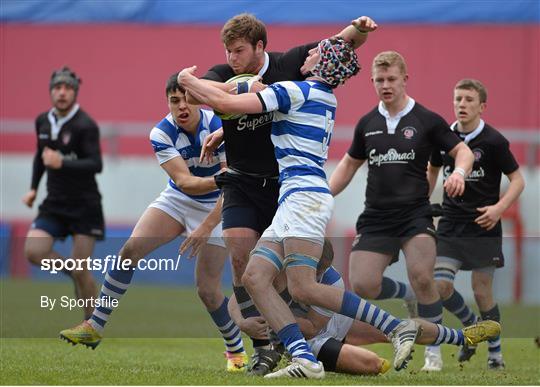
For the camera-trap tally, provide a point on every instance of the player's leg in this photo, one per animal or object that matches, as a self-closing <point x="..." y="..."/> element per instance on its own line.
<point x="349" y="359"/>
<point x="208" y="271"/>
<point x="264" y="266"/>
<point x="366" y="270"/>
<point x="301" y="265"/>
<point x="83" y="247"/>
<point x="482" y="284"/>
<point x="154" y="228"/>
<point x="420" y="252"/>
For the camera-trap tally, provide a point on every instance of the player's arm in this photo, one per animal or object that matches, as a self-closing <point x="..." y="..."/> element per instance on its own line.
<point x="463" y="161"/>
<point x="225" y="87"/>
<point x="357" y="32"/>
<point x="492" y="214"/>
<point x="255" y="327"/>
<point x="178" y="171"/>
<point x="343" y="174"/>
<point x="432" y="176"/>
<point x="38" y="169"/>
<point x="199" y="237"/>
<point x="89" y="159"/>
<point x="312" y="324"/>
<point x="216" y="98"/>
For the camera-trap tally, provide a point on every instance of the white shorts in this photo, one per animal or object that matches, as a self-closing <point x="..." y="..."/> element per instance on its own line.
<point x="303" y="215"/>
<point x="188" y="212"/>
<point x="336" y="328"/>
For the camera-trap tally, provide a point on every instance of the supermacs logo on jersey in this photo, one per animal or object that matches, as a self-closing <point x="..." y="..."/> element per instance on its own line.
<point x="252" y="122"/>
<point x="408" y="132"/>
<point x="392" y="156"/>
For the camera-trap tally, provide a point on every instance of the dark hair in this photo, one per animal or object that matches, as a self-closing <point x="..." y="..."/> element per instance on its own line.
<point x="244" y="26"/>
<point x="65" y="76"/>
<point x="172" y="85"/>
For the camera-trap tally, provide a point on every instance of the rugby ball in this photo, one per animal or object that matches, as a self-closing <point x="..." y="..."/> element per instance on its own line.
<point x="233" y="81"/>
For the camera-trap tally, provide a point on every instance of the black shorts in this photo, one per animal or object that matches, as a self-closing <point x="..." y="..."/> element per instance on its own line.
<point x="249" y="202"/>
<point x="61" y="219"/>
<point x="385" y="231"/>
<point x="329" y="354"/>
<point x="472" y="245"/>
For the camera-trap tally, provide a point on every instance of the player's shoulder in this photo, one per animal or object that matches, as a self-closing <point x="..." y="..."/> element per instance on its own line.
<point x="493" y="136"/>
<point x="426" y="115"/>
<point x="364" y="121"/>
<point x="220" y="73"/>
<point x="42" y="117"/>
<point x="165" y="125"/>
<point x="210" y="120"/>
<point x="85" y="120"/>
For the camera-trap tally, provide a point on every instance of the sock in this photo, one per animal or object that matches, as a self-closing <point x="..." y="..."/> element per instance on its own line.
<point x="446" y="336"/>
<point x="455" y="304"/>
<point x="431" y="313"/>
<point x="248" y="309"/>
<point x="114" y="286"/>
<point x="394" y="289"/>
<point x="355" y="307"/>
<point x="229" y="330"/>
<point x="494" y="345"/>
<point x="295" y="342"/>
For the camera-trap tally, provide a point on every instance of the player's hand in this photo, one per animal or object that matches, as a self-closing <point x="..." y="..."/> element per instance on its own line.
<point x="51" y="159"/>
<point x="257" y="86"/>
<point x="490" y="216"/>
<point x="454" y="185"/>
<point x="29" y="198"/>
<point x="185" y="74"/>
<point x="210" y="144"/>
<point x="365" y="24"/>
<point x="196" y="241"/>
<point x="255" y="327"/>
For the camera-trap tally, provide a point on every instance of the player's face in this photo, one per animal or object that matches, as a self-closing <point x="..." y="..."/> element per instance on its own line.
<point x="311" y="60"/>
<point x="390" y="84"/>
<point x="467" y="105"/>
<point x="63" y="97"/>
<point x="243" y="57"/>
<point x="185" y="114"/>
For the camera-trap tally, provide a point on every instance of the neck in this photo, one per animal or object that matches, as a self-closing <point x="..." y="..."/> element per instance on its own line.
<point x="260" y="63"/>
<point x="397" y="106"/>
<point x="468" y="127"/>
<point x="63" y="113"/>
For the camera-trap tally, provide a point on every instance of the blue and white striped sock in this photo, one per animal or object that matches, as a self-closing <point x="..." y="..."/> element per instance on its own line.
<point x="494" y="345"/>
<point x="229" y="330"/>
<point x="448" y="336"/>
<point x="432" y="313"/>
<point x="295" y="342"/>
<point x="355" y="307"/>
<point x="114" y="286"/>
<point x="391" y="288"/>
<point x="455" y="304"/>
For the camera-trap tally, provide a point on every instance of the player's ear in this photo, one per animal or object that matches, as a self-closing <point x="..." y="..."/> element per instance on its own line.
<point x="259" y="47"/>
<point x="483" y="106"/>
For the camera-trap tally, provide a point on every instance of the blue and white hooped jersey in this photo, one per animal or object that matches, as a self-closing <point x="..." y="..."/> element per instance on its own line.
<point x="170" y="140"/>
<point x="304" y="115"/>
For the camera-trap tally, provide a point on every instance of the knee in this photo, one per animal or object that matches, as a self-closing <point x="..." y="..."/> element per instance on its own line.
<point x="365" y="288"/>
<point x="239" y="263"/>
<point x="301" y="292"/>
<point x="208" y="296"/>
<point x="33" y="255"/>
<point x="482" y="293"/>
<point x="130" y="251"/>
<point x="253" y="280"/>
<point x="422" y="282"/>
<point x="445" y="289"/>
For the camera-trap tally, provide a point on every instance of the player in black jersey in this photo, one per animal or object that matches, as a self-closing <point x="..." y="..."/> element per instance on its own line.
<point x="397" y="138"/>
<point x="68" y="150"/>
<point x="469" y="233"/>
<point x="250" y="187"/>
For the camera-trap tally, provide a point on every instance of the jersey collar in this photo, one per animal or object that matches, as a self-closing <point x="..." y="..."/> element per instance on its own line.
<point x="265" y="65"/>
<point x="472" y="135"/>
<point x="392" y="122"/>
<point x="56" y="125"/>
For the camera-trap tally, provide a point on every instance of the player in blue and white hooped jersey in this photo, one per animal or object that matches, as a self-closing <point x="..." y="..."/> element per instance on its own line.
<point x="301" y="153"/>
<point x="190" y="204"/>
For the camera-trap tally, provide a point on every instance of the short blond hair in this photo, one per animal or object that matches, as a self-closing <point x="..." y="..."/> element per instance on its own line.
<point x="244" y="26"/>
<point x="473" y="84"/>
<point x="389" y="58"/>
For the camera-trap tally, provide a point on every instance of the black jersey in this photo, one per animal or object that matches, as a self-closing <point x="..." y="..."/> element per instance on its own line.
<point x="78" y="142"/>
<point x="492" y="157"/>
<point x="247" y="139"/>
<point x="397" y="162"/>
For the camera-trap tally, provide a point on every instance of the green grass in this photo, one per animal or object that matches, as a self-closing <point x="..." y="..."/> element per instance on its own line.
<point x="177" y="345"/>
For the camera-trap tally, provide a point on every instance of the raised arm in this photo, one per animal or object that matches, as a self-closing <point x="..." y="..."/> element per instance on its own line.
<point x="357" y="32"/>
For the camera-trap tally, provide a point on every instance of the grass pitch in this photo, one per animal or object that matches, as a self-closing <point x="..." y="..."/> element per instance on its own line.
<point x="163" y="336"/>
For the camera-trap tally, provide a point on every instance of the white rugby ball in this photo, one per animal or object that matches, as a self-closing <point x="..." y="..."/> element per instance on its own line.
<point x="233" y="81"/>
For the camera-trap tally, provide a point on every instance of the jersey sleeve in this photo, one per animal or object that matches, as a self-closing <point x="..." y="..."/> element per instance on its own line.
<point x="214" y="74"/>
<point x="281" y="96"/>
<point x="90" y="158"/>
<point x="441" y="135"/>
<point x="38" y="168"/>
<point x="504" y="158"/>
<point x="163" y="145"/>
<point x="215" y="124"/>
<point x="357" y="150"/>
<point x="291" y="61"/>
